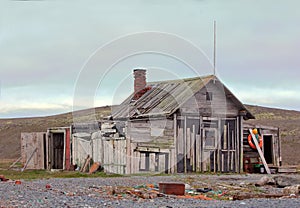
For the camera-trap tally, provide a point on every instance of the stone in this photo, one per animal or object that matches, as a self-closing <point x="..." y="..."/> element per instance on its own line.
<point x="265" y="180"/>
<point x="284" y="181"/>
<point x="292" y="189"/>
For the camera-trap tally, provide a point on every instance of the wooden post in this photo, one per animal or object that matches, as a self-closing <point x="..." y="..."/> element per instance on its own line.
<point x="219" y="135"/>
<point x="241" y="146"/>
<point x="260" y="152"/>
<point x="172" y="157"/>
<point x="184" y="144"/>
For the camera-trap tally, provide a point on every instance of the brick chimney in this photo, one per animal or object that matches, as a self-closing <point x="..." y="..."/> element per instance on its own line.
<point x="139" y="83"/>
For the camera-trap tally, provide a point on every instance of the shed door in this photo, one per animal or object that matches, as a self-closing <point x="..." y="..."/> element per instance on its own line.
<point x="268" y="148"/>
<point x="57" y="150"/>
<point x="32" y="150"/>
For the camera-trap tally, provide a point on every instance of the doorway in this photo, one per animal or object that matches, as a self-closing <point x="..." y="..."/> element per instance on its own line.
<point x="268" y="148"/>
<point x="57" y="151"/>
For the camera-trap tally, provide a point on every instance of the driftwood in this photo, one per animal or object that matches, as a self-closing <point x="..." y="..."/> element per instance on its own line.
<point x="15" y="163"/>
<point x="87" y="161"/>
<point x="250" y="196"/>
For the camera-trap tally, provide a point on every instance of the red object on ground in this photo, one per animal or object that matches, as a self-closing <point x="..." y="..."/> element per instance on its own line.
<point x="18" y="182"/>
<point x="2" y="178"/>
<point x="172" y="188"/>
<point x="48" y="186"/>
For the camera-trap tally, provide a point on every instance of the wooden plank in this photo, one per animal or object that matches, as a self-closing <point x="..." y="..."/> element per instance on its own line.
<point x="86" y="163"/>
<point x="162" y="163"/>
<point x="228" y="145"/>
<point x="219" y="135"/>
<point x="241" y="153"/>
<point x="260" y="152"/>
<point x="198" y="153"/>
<point x="173" y="153"/>
<point x="225" y="137"/>
<point x="188" y="143"/>
<point x="180" y="141"/>
<point x="237" y="145"/>
<point x="136" y="161"/>
<point x="152" y="162"/>
<point x="15" y="163"/>
<point x="222" y="162"/>
<point x="184" y="145"/>
<point x="193" y="145"/>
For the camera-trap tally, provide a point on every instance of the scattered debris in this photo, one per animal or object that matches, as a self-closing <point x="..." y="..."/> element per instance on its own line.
<point x="18" y="182"/>
<point x="200" y="196"/>
<point x="203" y="190"/>
<point x="251" y="196"/>
<point x="279" y="181"/>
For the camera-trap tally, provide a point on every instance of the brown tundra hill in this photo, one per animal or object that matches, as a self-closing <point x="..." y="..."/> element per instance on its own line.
<point x="10" y="129"/>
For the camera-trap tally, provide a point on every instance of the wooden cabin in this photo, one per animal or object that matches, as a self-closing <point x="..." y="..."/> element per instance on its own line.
<point x="181" y="126"/>
<point x="176" y="126"/>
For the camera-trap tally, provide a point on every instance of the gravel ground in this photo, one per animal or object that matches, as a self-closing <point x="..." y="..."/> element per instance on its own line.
<point x="103" y="192"/>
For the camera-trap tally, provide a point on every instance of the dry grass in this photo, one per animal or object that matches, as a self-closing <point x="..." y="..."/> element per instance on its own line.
<point x="43" y="174"/>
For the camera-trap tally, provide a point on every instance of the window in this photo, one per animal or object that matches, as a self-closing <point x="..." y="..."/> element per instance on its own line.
<point x="209" y="138"/>
<point x="209" y="96"/>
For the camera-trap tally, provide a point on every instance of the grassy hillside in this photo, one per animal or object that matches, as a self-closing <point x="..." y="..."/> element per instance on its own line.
<point x="10" y="129"/>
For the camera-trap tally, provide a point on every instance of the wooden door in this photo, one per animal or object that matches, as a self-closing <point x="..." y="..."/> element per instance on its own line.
<point x="209" y="159"/>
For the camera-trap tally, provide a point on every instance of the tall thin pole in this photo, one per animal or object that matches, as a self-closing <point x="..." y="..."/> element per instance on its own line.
<point x="215" y="42"/>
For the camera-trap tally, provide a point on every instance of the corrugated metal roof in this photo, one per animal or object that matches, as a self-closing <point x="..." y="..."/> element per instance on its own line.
<point x="164" y="98"/>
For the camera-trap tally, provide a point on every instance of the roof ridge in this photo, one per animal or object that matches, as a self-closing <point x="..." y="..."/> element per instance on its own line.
<point x="183" y="80"/>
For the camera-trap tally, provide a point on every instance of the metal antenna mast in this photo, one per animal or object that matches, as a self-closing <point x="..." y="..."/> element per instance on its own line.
<point x="215" y="31"/>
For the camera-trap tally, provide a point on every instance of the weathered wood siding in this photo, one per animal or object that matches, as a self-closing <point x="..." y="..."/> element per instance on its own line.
<point x="220" y="104"/>
<point x="33" y="143"/>
<point x="207" y="144"/>
<point x="110" y="152"/>
<point x="82" y="147"/>
<point x="150" y="145"/>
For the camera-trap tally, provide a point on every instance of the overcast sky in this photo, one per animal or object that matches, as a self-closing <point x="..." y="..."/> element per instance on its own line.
<point x="49" y="49"/>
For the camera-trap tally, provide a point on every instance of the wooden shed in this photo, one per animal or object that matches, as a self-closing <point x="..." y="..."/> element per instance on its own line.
<point x="186" y="125"/>
<point x="47" y="150"/>
<point x="271" y="147"/>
